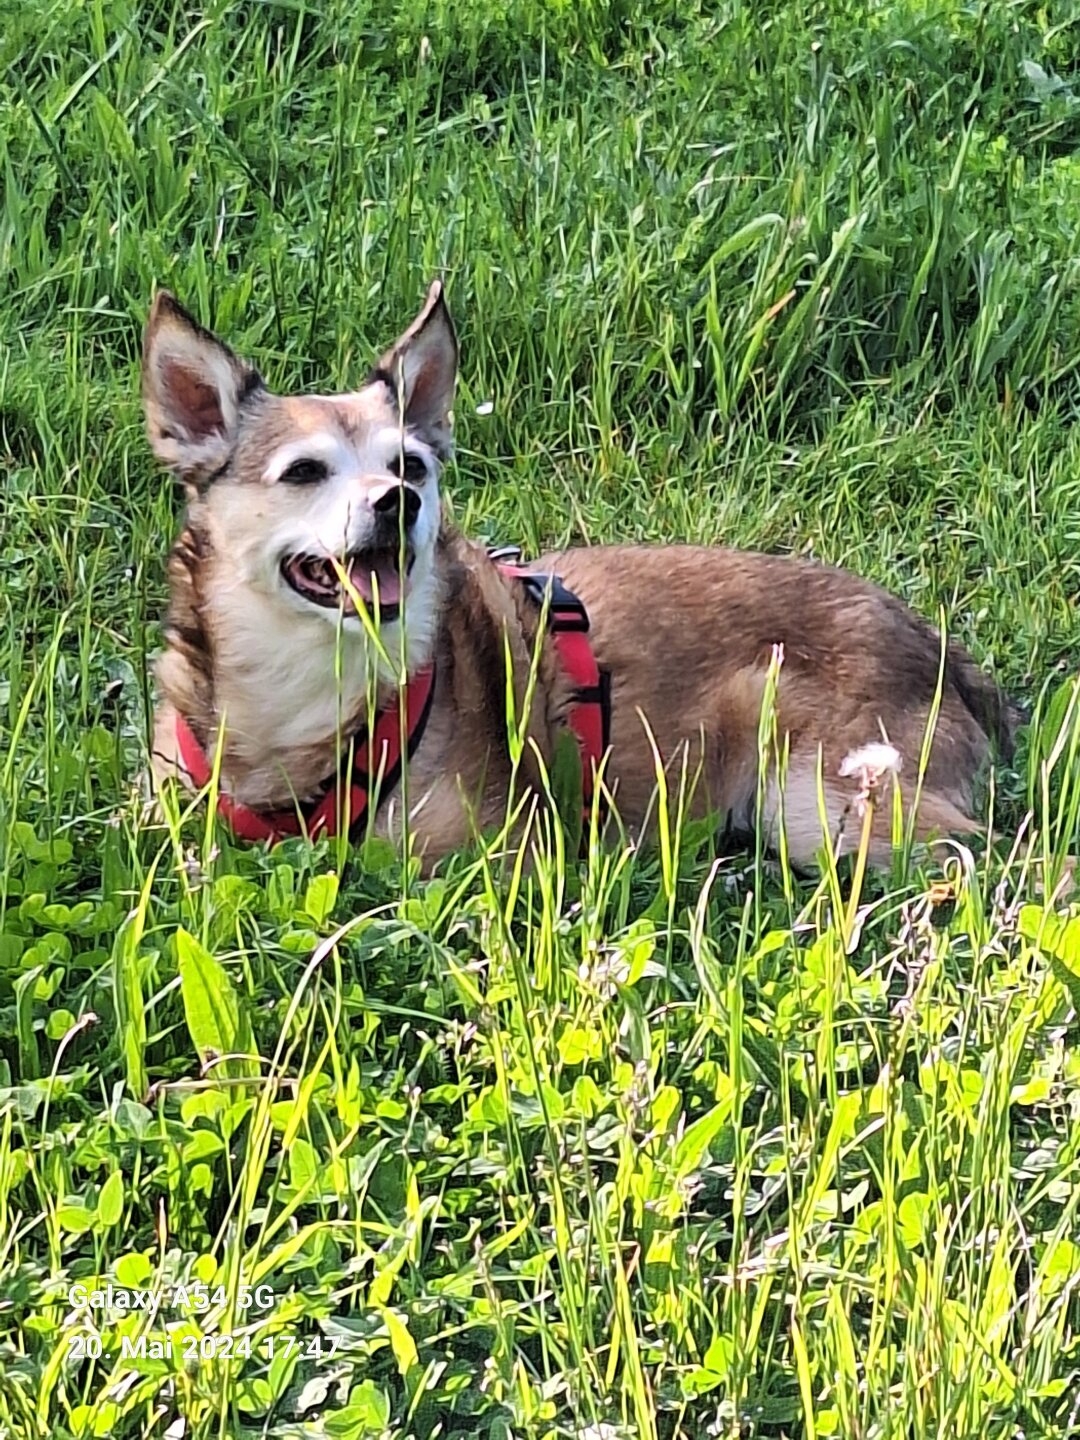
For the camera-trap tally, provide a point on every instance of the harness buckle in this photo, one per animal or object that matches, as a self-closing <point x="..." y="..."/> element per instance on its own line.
<point x="566" y="610"/>
<point x="504" y="553"/>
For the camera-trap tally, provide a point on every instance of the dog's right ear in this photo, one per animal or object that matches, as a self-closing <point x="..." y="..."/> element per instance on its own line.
<point x="420" y="369"/>
<point x="193" y="388"/>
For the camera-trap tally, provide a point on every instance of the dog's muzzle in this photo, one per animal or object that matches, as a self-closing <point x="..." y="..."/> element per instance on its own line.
<point x="376" y="572"/>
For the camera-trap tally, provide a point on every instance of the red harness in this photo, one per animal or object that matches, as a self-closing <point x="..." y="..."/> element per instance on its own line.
<point x="376" y="758"/>
<point x="589" y="715"/>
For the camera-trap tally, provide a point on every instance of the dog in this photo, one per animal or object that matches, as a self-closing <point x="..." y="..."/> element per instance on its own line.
<point x="331" y="639"/>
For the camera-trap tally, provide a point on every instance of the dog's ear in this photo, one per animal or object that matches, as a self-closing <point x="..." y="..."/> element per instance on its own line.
<point x="193" y="389"/>
<point x="420" y="368"/>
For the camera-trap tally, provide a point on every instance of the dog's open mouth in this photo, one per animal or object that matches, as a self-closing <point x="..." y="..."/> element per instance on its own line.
<point x="370" y="572"/>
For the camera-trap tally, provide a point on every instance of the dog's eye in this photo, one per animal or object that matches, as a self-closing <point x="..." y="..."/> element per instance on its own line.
<point x="410" y="467"/>
<point x="305" y="472"/>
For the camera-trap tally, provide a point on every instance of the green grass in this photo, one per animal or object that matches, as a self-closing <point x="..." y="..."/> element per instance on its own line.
<point x="643" y="1148"/>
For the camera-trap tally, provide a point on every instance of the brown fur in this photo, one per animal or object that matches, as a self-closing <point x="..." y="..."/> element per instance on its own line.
<point x="687" y="634"/>
<point x="460" y="777"/>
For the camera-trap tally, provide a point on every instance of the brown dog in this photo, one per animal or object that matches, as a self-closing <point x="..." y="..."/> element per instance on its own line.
<point x="314" y="571"/>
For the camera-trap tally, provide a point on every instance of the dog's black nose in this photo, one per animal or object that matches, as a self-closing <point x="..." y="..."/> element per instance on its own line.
<point x="397" y="501"/>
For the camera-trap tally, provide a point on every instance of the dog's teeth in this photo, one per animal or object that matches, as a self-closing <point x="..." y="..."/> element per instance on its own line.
<point x="319" y="572"/>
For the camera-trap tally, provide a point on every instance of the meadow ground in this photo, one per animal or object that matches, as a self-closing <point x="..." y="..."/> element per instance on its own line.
<point x="641" y="1148"/>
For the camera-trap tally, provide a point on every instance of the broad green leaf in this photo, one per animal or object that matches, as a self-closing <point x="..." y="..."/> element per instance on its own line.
<point x="1059" y="940"/>
<point x="58" y="1024"/>
<point x="577" y="1044"/>
<point x="303" y="1163"/>
<point x="720" y="1354"/>
<point x="914" y="1215"/>
<point x="110" y="1205"/>
<point x="691" y="1149"/>
<point x="75" y="1218"/>
<point x="216" y="1021"/>
<point x="1060" y="1265"/>
<point x="133" y="1270"/>
<point x="367" y="1413"/>
<point x="401" y="1342"/>
<point x="321" y="897"/>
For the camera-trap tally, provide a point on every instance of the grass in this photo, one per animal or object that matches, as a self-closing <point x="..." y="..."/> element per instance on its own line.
<point x="651" y="1147"/>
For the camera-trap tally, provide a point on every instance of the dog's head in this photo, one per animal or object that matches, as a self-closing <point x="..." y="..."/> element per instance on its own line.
<point x="292" y="487"/>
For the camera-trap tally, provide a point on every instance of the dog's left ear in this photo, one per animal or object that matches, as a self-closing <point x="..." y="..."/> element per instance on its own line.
<point x="193" y="390"/>
<point x="421" y="368"/>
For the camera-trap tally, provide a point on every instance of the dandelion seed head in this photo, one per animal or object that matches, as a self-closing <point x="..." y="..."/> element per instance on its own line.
<point x="870" y="762"/>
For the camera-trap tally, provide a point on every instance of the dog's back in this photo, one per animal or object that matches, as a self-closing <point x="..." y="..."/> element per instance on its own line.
<point x="688" y="634"/>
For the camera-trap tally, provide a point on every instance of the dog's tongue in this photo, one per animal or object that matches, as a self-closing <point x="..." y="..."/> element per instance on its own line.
<point x="364" y="575"/>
